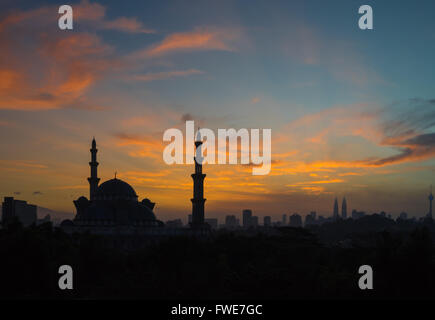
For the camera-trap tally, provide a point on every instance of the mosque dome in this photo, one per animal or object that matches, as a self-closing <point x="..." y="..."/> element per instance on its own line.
<point x="115" y="189"/>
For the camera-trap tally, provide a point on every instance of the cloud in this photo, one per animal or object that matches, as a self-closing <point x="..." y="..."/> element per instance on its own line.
<point x="313" y="186"/>
<point x="37" y="193"/>
<point x="420" y="147"/>
<point x="165" y="75"/>
<point x="22" y="163"/>
<point x="71" y="187"/>
<point x="145" y="146"/>
<point x="42" y="68"/>
<point x="402" y="130"/>
<point x="95" y="14"/>
<point x="17" y="193"/>
<point x="88" y="14"/>
<point x="63" y="69"/>
<point x="128" y="139"/>
<point x="124" y="24"/>
<point x="200" y="39"/>
<point x="357" y="120"/>
<point x="410" y="131"/>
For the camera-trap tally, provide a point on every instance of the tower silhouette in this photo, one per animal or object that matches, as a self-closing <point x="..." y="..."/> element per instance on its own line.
<point x="335" y="215"/>
<point x="198" y="186"/>
<point x="430" y="203"/>
<point x="93" y="179"/>
<point x="344" y="209"/>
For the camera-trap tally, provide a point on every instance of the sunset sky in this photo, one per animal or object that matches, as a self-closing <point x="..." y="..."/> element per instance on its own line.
<point x="352" y="112"/>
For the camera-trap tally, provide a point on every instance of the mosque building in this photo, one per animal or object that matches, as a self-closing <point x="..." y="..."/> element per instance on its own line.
<point x="113" y="207"/>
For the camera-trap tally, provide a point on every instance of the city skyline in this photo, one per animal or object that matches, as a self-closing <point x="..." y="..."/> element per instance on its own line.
<point x="345" y="120"/>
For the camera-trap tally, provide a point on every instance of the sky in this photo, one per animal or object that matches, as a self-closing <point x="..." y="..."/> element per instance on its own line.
<point x="352" y="112"/>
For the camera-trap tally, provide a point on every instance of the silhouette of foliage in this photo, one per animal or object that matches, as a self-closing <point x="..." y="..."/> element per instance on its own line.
<point x="321" y="262"/>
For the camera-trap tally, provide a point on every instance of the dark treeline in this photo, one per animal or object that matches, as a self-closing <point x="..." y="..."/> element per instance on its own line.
<point x="297" y="263"/>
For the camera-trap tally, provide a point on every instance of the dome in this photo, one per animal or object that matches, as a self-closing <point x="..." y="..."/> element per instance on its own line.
<point x="115" y="189"/>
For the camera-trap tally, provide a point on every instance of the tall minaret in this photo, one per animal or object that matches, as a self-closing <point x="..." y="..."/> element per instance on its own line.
<point x="344" y="209"/>
<point x="430" y="203"/>
<point x="93" y="179"/>
<point x="198" y="186"/>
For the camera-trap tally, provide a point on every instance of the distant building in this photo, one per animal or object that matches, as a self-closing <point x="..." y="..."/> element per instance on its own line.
<point x="403" y="216"/>
<point x="18" y="210"/>
<point x="321" y="219"/>
<point x="310" y="219"/>
<point x="335" y="212"/>
<point x="295" y="220"/>
<point x="267" y="221"/>
<point x="284" y="219"/>
<point x="254" y="221"/>
<point x="231" y="222"/>
<point x="344" y="209"/>
<point x="212" y="222"/>
<point x="357" y="214"/>
<point x="247" y="214"/>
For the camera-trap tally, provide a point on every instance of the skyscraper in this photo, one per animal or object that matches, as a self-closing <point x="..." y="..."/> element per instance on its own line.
<point x="198" y="186"/>
<point x="93" y="179"/>
<point x="295" y="220"/>
<point x="430" y="203"/>
<point x="344" y="209"/>
<point x="18" y="210"/>
<point x="247" y="214"/>
<point x="335" y="215"/>
<point x="310" y="219"/>
<point x="284" y="219"/>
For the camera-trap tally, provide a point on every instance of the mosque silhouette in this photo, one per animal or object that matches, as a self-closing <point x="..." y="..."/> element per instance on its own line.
<point x="113" y="206"/>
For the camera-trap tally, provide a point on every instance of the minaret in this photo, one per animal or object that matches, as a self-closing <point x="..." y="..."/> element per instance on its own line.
<point x="344" y="209"/>
<point x="198" y="186"/>
<point x="335" y="215"/>
<point x="430" y="203"/>
<point x="93" y="179"/>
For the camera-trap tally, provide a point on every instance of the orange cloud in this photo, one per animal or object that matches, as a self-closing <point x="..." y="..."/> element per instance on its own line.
<point x="95" y="14"/>
<point x="21" y="163"/>
<point x="401" y="137"/>
<point x="315" y="182"/>
<point x="350" y="174"/>
<point x="149" y="146"/>
<point x="64" y="69"/>
<point x="199" y="39"/>
<point x="124" y="24"/>
<point x="56" y="69"/>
